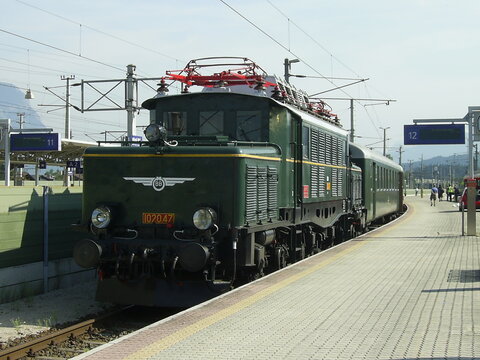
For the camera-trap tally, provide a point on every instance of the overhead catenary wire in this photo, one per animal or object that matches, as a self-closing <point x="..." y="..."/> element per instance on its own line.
<point x="98" y="31"/>
<point x="58" y="71"/>
<point x="278" y="43"/>
<point x="331" y="57"/>
<point x="298" y="57"/>
<point x="290" y="21"/>
<point x="66" y="58"/>
<point x="60" y="49"/>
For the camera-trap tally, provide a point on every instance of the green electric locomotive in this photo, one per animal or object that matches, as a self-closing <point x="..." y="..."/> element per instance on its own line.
<point x="243" y="178"/>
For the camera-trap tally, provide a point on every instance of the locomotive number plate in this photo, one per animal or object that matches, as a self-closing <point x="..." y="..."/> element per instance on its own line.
<point x="158" y="218"/>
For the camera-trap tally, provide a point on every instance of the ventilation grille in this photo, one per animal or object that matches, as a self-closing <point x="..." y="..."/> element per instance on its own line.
<point x="262" y="193"/>
<point x="315" y="142"/>
<point x="334" y="182"/>
<point x="322" y="148"/>
<point x="272" y="181"/>
<point x="340" y="182"/>
<point x="314" y="181"/>
<point x="261" y="201"/>
<point x="321" y="182"/>
<point x="251" y="195"/>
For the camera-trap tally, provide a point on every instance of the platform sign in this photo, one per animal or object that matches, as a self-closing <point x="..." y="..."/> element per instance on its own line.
<point x="437" y="134"/>
<point x="73" y="164"/>
<point x="35" y="142"/>
<point x="135" y="138"/>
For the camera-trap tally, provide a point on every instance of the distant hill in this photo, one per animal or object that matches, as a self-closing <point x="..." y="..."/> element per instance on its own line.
<point x="457" y="160"/>
<point x="12" y="101"/>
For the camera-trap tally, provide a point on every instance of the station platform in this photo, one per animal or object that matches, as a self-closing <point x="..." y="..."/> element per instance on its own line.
<point x="409" y="290"/>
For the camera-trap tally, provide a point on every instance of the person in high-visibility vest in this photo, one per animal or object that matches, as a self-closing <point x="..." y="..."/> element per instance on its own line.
<point x="450" y="193"/>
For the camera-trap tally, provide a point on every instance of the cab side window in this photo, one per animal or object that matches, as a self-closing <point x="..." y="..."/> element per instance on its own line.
<point x="175" y="122"/>
<point x="211" y="123"/>
<point x="249" y="125"/>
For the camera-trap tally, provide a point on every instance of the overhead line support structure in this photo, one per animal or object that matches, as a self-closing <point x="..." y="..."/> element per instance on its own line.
<point x="131" y="96"/>
<point x="352" y="123"/>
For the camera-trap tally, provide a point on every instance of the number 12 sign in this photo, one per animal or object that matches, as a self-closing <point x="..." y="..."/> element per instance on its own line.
<point x="434" y="134"/>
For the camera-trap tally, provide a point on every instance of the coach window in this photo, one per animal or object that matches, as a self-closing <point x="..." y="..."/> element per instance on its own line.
<point x="211" y="123"/>
<point x="305" y="141"/>
<point x="249" y="125"/>
<point x="383" y="179"/>
<point x="175" y="122"/>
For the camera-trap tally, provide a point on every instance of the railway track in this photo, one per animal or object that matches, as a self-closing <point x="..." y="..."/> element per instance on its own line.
<point x="81" y="337"/>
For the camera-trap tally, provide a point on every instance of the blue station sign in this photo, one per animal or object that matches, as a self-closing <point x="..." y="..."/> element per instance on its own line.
<point x="438" y="134"/>
<point x="35" y="142"/>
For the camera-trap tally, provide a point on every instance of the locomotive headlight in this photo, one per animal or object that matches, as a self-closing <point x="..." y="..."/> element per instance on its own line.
<point x="204" y="218"/>
<point x="101" y="217"/>
<point x="155" y="132"/>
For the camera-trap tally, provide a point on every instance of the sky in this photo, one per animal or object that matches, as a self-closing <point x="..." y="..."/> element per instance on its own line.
<point x="420" y="53"/>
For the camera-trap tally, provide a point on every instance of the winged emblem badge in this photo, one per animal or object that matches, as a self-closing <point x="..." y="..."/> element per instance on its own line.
<point x="158" y="183"/>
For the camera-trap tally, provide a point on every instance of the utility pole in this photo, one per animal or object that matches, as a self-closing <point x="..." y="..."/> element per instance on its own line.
<point x="421" y="177"/>
<point x="352" y="127"/>
<point x="385" y="140"/>
<point x="288" y="65"/>
<point x="131" y="101"/>
<point x="450" y="173"/>
<point x="410" y="173"/>
<point x="67" y="105"/>
<point x="453" y="169"/>
<point x="66" y="177"/>
<point x="400" y="151"/>
<point x="21" y="121"/>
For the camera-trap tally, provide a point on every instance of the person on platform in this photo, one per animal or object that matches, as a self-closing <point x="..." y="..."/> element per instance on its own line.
<point x="416" y="190"/>
<point x="433" y="195"/>
<point x="456" y="193"/>
<point x="450" y="193"/>
<point x="440" y="192"/>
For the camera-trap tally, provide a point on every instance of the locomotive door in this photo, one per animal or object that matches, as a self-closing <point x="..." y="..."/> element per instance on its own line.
<point x="298" y="166"/>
